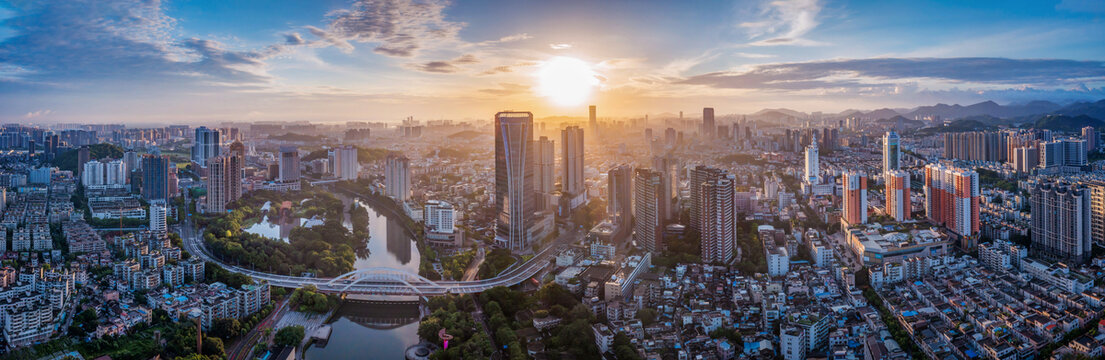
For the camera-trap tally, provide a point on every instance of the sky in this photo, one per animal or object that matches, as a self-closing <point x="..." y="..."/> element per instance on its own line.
<point x="209" y="61"/>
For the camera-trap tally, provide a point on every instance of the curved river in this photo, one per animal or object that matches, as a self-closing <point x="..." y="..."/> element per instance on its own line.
<point x="367" y="330"/>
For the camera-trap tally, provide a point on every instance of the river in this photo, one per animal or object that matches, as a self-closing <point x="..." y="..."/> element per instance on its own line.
<point x="366" y="330"/>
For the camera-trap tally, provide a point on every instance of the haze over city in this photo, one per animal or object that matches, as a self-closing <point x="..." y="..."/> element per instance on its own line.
<point x="137" y="61"/>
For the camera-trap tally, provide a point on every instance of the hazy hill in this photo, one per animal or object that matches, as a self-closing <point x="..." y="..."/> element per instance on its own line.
<point x="1095" y="110"/>
<point x="1066" y="123"/>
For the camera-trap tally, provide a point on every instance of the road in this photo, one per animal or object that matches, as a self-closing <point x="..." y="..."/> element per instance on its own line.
<point x="474" y="267"/>
<point x="243" y="349"/>
<point x="386" y="281"/>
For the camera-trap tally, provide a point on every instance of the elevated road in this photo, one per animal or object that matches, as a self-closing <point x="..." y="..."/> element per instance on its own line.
<point x="386" y="281"/>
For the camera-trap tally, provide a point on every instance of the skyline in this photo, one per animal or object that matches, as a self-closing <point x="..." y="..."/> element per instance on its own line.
<point x="145" y="62"/>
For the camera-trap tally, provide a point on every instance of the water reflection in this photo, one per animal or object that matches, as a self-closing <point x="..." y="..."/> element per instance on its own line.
<point x="276" y="230"/>
<point x="370" y="331"/>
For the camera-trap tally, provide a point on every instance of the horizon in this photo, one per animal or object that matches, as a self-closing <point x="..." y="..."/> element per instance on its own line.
<point x="137" y="62"/>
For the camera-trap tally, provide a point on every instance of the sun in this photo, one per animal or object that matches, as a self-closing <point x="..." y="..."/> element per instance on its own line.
<point x="566" y="81"/>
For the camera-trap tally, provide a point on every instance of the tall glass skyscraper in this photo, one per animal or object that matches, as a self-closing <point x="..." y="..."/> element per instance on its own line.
<point x="206" y="145"/>
<point x="155" y="177"/>
<point x="514" y="191"/>
<point x="891" y="152"/>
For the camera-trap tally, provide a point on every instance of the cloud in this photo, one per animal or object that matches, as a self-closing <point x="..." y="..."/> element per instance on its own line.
<point x="1087" y="6"/>
<point x="39" y="113"/>
<point x="560" y="46"/>
<point x="507" y="68"/>
<point x="293" y="39"/>
<point x="400" y="28"/>
<point x="883" y="72"/>
<point x="444" y="66"/>
<point x="506" y="89"/>
<point x="786" y="23"/>
<point x="114" y="42"/>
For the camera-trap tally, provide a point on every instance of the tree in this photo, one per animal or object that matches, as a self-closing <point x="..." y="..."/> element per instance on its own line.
<point x="647" y="316"/>
<point x="226" y="328"/>
<point x="213" y="346"/>
<point x="623" y="348"/>
<point x="289" y="336"/>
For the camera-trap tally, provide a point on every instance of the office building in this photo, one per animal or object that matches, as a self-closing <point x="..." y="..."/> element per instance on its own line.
<point x="649" y="224"/>
<point x="897" y="195"/>
<point x="514" y="170"/>
<point x="699" y="175"/>
<point x="708" y="126"/>
<point x="718" y="232"/>
<point x="1061" y="222"/>
<point x="397" y="175"/>
<point x="619" y="194"/>
<point x="952" y="199"/>
<point x="891" y="152"/>
<point x="343" y="162"/>
<point x="813" y="169"/>
<point x="571" y="140"/>
<point x="205" y="145"/>
<point x="855" y="198"/>
<point x="155" y="177"/>
<point x="545" y="162"/>
<point x="289" y="163"/>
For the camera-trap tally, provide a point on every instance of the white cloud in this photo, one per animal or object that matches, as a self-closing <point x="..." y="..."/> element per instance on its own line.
<point x="560" y="46"/>
<point x="786" y="23"/>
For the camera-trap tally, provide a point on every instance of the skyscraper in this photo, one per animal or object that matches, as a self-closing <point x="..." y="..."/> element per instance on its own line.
<point x="699" y="175"/>
<point x="155" y="177"/>
<point x="289" y="163"/>
<point x="218" y="194"/>
<point x="665" y="165"/>
<point x="855" y="198"/>
<point x="545" y="161"/>
<point x="397" y="177"/>
<point x="593" y="122"/>
<point x="1063" y="153"/>
<point x="813" y="169"/>
<point x="158" y="223"/>
<point x="891" y="152"/>
<point x="343" y="162"/>
<point x="84" y="154"/>
<point x="1091" y="136"/>
<point x="93" y="174"/>
<point x="205" y="145"/>
<point x="708" y="126"/>
<point x="235" y="162"/>
<point x="952" y="199"/>
<point x="1061" y="222"/>
<point x="1097" y="210"/>
<point x="718" y="219"/>
<point x="1026" y="159"/>
<point x="648" y="226"/>
<point x="897" y="195"/>
<point x="514" y="195"/>
<point x="571" y="139"/>
<point x="619" y="196"/>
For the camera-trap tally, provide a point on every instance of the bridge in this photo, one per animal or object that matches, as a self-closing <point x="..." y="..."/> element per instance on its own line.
<point x="386" y="281"/>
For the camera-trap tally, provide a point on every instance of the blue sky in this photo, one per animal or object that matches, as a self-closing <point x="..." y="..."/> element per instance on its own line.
<point x="148" y="61"/>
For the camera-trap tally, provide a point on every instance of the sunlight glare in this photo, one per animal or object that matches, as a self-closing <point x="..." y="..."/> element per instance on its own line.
<point x="566" y="81"/>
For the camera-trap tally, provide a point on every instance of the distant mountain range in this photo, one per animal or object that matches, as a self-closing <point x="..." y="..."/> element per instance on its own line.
<point x="1025" y="112"/>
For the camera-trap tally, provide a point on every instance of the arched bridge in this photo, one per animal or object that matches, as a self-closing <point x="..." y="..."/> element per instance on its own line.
<point x="389" y="281"/>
